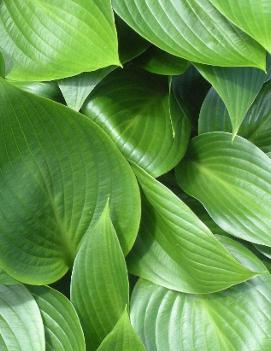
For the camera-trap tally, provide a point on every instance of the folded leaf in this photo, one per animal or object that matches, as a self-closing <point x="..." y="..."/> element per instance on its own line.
<point x="192" y="29"/>
<point x="122" y="337"/>
<point x="62" y="326"/>
<point x="140" y="114"/>
<point x="175" y="249"/>
<point x="45" y="40"/>
<point x="233" y="182"/>
<point x="58" y="169"/>
<point x="237" y="87"/>
<point x="21" y="326"/>
<point x="99" y="286"/>
<point x="253" y="17"/>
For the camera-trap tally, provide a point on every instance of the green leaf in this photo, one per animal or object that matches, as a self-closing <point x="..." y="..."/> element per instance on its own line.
<point x="99" y="285"/>
<point x="140" y="114"/>
<point x="157" y="61"/>
<point x="62" y="326"/>
<point x="6" y="279"/>
<point x="58" y="169"/>
<point x="237" y="87"/>
<point x="48" y="90"/>
<point x="233" y="182"/>
<point x="256" y="126"/>
<point x="175" y="249"/>
<point x="45" y="40"/>
<point x="192" y="29"/>
<point x="21" y="326"/>
<point x="253" y="17"/>
<point x="122" y="337"/>
<point x="76" y="89"/>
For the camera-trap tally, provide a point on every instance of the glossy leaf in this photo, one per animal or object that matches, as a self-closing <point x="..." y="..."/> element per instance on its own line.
<point x="21" y="326"/>
<point x="251" y="16"/>
<point x="122" y="337"/>
<point x="99" y="286"/>
<point x="256" y="126"/>
<point x="237" y="87"/>
<point x="192" y="29"/>
<point x="175" y="249"/>
<point x="224" y="321"/>
<point x="233" y="182"/>
<point x="48" y="90"/>
<point x="45" y="40"/>
<point x="57" y="171"/>
<point x="140" y="114"/>
<point x="62" y="326"/>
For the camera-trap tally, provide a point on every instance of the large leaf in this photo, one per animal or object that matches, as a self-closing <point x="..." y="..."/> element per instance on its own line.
<point x="237" y="87"/>
<point x="45" y="40"/>
<point x="175" y="249"/>
<point x="122" y="337"/>
<point x="251" y="16"/>
<point x="142" y="117"/>
<point x="233" y="182"/>
<point x="192" y="29"/>
<point x="21" y="326"/>
<point x="99" y="286"/>
<point x="256" y="126"/>
<point x="235" y="319"/>
<point x="58" y="169"/>
<point x="62" y="326"/>
<point x="49" y="90"/>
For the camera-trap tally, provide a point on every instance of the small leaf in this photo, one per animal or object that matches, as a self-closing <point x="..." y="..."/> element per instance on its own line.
<point x="99" y="285"/>
<point x="122" y="337"/>
<point x="62" y="326"/>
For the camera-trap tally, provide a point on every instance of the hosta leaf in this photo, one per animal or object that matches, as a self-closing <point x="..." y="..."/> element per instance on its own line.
<point x="58" y="169"/>
<point x="192" y="29"/>
<point x="63" y="331"/>
<point x="224" y="321"/>
<point x="45" y="40"/>
<point x="6" y="279"/>
<point x="233" y="182"/>
<point x="122" y="337"/>
<point x="256" y="126"/>
<point x="140" y="114"/>
<point x="76" y="89"/>
<point x="251" y="16"/>
<point x="21" y="326"/>
<point x="157" y="61"/>
<point x="48" y="90"/>
<point x="237" y="87"/>
<point x="175" y="249"/>
<point x="99" y="287"/>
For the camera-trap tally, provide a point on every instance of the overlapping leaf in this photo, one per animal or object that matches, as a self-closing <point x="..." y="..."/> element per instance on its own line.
<point x="57" y="170"/>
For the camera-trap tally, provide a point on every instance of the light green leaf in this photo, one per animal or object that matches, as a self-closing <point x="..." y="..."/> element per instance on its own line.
<point x="58" y="169"/>
<point x="192" y="29"/>
<point x="237" y="87"/>
<point x="157" y="61"/>
<point x="99" y="285"/>
<point x="122" y="337"/>
<point x="256" y="126"/>
<point x="233" y="182"/>
<point x="45" y="40"/>
<point x="21" y="326"/>
<point x="48" y="90"/>
<point x="140" y="114"/>
<point x="63" y="331"/>
<point x="76" y="89"/>
<point x="175" y="249"/>
<point x="253" y="17"/>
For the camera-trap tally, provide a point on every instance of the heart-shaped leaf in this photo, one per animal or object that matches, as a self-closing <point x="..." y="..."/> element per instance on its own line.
<point x="21" y="326"/>
<point x="58" y="169"/>
<point x="140" y="114"/>
<point x="61" y="323"/>
<point x="233" y="182"/>
<point x="175" y="249"/>
<point x="192" y="29"/>
<point x="45" y="40"/>
<point x="99" y="286"/>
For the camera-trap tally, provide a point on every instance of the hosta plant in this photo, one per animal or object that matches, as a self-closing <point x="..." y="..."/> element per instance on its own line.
<point x="135" y="175"/>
